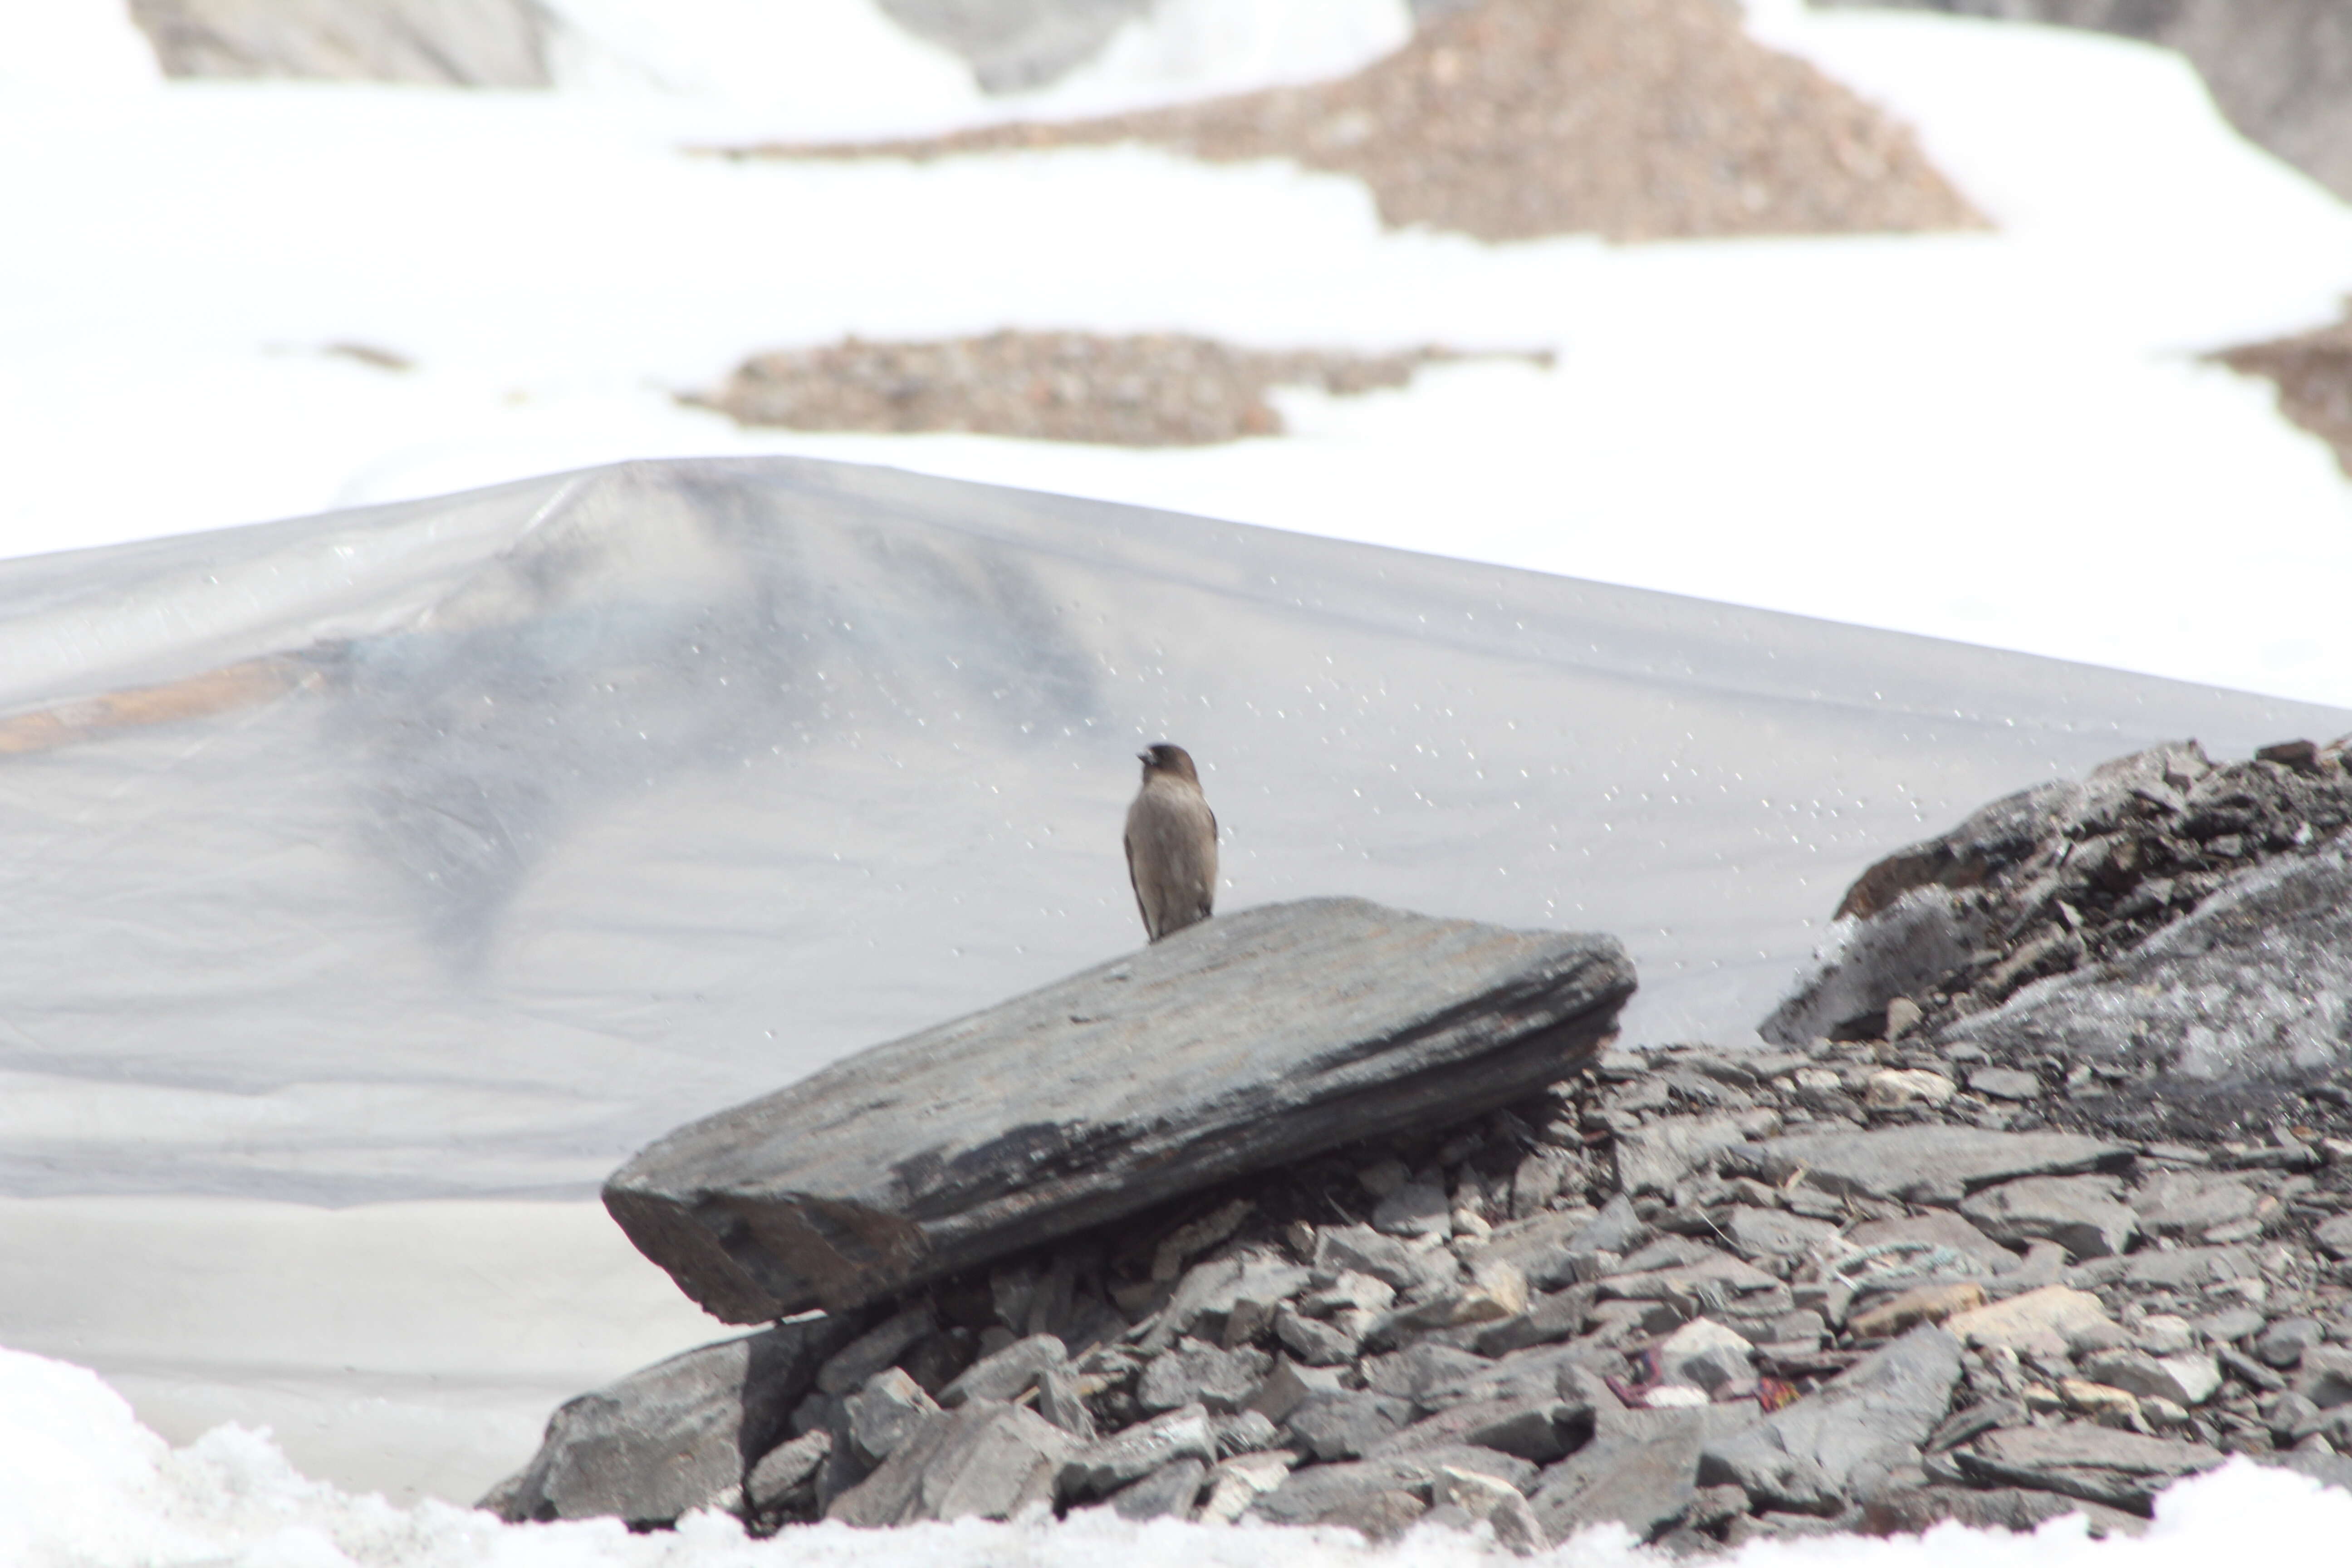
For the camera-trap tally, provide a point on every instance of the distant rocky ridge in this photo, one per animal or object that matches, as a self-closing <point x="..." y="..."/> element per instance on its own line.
<point x="1853" y="1284"/>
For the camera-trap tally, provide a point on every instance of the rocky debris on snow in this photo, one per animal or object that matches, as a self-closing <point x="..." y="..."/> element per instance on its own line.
<point x="1246" y="1041"/>
<point x="444" y="43"/>
<point x="2313" y="371"/>
<point x="1676" y="125"/>
<point x="2158" y="950"/>
<point x="1711" y="1294"/>
<point x="1144" y="389"/>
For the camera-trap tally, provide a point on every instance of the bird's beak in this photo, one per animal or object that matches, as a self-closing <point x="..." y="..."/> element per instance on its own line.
<point x="1143" y="756"/>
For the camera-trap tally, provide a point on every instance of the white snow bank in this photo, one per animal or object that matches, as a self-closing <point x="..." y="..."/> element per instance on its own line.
<point x="2003" y="438"/>
<point x="83" y="1485"/>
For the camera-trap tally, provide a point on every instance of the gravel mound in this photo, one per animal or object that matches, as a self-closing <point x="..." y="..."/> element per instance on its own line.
<point x="1152" y="389"/>
<point x="1636" y="119"/>
<point x="2314" y="374"/>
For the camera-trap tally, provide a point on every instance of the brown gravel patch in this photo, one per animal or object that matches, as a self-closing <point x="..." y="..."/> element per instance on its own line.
<point x="1147" y="390"/>
<point x="2313" y="374"/>
<point x="1636" y="119"/>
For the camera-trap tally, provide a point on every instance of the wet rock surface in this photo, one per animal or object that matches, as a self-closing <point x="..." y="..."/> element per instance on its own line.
<point x="1710" y="1294"/>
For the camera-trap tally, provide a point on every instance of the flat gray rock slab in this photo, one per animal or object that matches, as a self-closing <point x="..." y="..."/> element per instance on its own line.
<point x="1639" y="1470"/>
<point x="673" y="1437"/>
<point x="1867" y="1423"/>
<point x="984" y="1460"/>
<point x="1928" y="1164"/>
<point x="2098" y="1464"/>
<point x="1247" y="1041"/>
<point x="1317" y="1492"/>
<point x="2081" y="1214"/>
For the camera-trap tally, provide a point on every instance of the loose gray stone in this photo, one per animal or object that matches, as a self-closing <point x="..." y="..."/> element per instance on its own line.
<point x="1058" y="1401"/>
<point x="1008" y="1374"/>
<point x="2325" y="1378"/>
<point x="678" y="1435"/>
<point x="1558" y="1316"/>
<point x="885" y="1412"/>
<point x="1243" y="1041"/>
<point x="1539" y="1431"/>
<point x="1413" y="1371"/>
<point x="1864" y="1426"/>
<point x="2005" y="1083"/>
<point x="1318" y="1494"/>
<point x="785" y="1474"/>
<point x="1618" y="1228"/>
<point x="1110" y="1463"/>
<point x="2335" y="1235"/>
<point x="1938" y="1227"/>
<point x="1757" y="1234"/>
<point x="1210" y="1294"/>
<point x="1481" y="1500"/>
<point x="1416" y="1208"/>
<point x="1550" y="1249"/>
<point x="1290" y="1385"/>
<point x="2185" y="1380"/>
<point x="2079" y="1212"/>
<point x="1928" y="1164"/>
<point x="2098" y="1464"/>
<point x="1315" y="1342"/>
<point x="2188" y="1267"/>
<point x="1652" y="1158"/>
<point x="1243" y="1432"/>
<point x="1198" y="1373"/>
<point x="869" y="1352"/>
<point x="1639" y="1470"/>
<point x="1169" y="1493"/>
<point x="2185" y="1203"/>
<point x="1345" y="1425"/>
<point x="984" y="1460"/>
<point x="2283" y="1343"/>
<point x="1356" y="1249"/>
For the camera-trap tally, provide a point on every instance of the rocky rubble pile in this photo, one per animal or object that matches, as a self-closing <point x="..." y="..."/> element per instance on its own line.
<point x="1858" y="1284"/>
<point x="2163" y="948"/>
<point x="1143" y="389"/>
<point x="1636" y="119"/>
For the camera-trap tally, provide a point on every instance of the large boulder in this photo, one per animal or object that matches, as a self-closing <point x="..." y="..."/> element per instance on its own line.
<point x="2247" y="998"/>
<point x="1241" y="1043"/>
<point x="676" y="1435"/>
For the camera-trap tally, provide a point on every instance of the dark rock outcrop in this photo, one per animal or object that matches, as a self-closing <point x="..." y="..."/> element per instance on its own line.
<point x="2160" y="948"/>
<point x="1255" y="1038"/>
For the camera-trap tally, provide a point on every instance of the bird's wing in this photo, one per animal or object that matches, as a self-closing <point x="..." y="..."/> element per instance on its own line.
<point x="1126" y="841"/>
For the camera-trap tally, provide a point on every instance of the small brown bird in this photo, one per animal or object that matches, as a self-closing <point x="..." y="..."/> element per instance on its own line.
<point x="1171" y="843"/>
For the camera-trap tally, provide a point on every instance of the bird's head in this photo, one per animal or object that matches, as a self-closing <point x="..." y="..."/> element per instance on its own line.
<point x="1164" y="758"/>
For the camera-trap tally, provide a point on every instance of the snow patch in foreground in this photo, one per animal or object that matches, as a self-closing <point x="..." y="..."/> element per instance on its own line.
<point x="83" y="1485"/>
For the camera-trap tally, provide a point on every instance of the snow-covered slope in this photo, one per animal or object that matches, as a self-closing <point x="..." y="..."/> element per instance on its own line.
<point x="2006" y="438"/>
